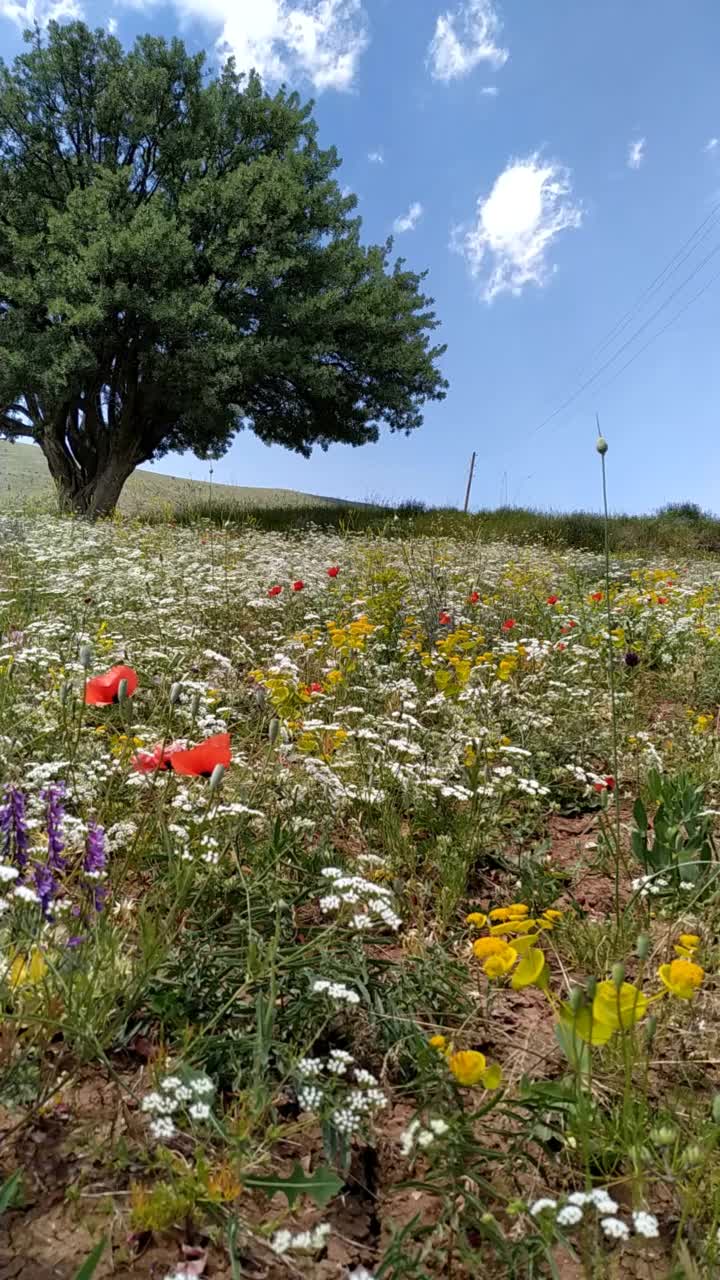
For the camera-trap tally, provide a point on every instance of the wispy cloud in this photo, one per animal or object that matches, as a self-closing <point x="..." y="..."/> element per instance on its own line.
<point x="112" y="26"/>
<point x="508" y="246"/>
<point x="408" y="221"/>
<point x="636" y="153"/>
<point x="490" y="91"/>
<point x="376" y="157"/>
<point x="711" y="144"/>
<point x="464" y="37"/>
<point x="320" y="41"/>
<point x="28" y="12"/>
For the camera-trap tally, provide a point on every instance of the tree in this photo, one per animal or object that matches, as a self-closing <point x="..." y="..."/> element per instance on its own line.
<point x="177" y="262"/>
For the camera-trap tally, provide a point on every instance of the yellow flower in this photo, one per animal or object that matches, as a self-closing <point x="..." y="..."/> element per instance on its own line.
<point x="493" y="1077"/>
<point x="619" y="1008"/>
<point x="510" y="913"/>
<point x="500" y="913"/>
<point x="25" y="970"/>
<point x="468" y="1066"/>
<point x="438" y="1042"/>
<point x="512" y="926"/>
<point x="498" y="965"/>
<point x="477" y="918"/>
<point x="681" y="978"/>
<point x="584" y="1025"/>
<point x="689" y="940"/>
<point x="531" y="970"/>
<point x="484" y="947"/>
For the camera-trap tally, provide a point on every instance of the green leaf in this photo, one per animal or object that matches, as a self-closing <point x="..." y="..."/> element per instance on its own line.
<point x="320" y="1186"/>
<point x="9" y="1190"/>
<point x="88" y="1267"/>
<point x="640" y="814"/>
<point x="576" y="1050"/>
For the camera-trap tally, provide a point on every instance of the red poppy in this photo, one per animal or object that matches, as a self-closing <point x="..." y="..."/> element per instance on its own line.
<point x="200" y="761"/>
<point x="444" y="619"/>
<point x="316" y="687"/>
<point x="560" y="646"/>
<point x="299" y="585"/>
<point x="274" y="591"/>
<point x="159" y="758"/>
<point x="101" y="691"/>
<point x="552" y="599"/>
<point x="333" y="571"/>
<point x="508" y="624"/>
<point x="473" y="597"/>
<point x="605" y="784"/>
<point x="597" y="596"/>
<point x="662" y="599"/>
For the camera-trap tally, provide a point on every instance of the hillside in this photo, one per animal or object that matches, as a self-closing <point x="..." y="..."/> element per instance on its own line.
<point x="24" y="478"/>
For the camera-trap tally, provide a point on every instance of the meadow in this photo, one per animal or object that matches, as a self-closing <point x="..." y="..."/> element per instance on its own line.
<point x="359" y="903"/>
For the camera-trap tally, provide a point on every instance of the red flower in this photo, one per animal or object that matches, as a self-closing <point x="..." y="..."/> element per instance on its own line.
<point x="299" y="585"/>
<point x="662" y="599"/>
<point x="333" y="571"/>
<point x="560" y="646"/>
<point x="101" y="691"/>
<point x="159" y="758"/>
<point x="596" y="596"/>
<point x="605" y="784"/>
<point x="508" y="624"/>
<point x="316" y="687"/>
<point x="274" y="591"/>
<point x="552" y="599"/>
<point x="473" y="597"/>
<point x="444" y="619"/>
<point x="200" y="761"/>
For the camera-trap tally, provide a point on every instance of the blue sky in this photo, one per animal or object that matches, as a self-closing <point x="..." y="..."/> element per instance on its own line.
<point x="545" y="160"/>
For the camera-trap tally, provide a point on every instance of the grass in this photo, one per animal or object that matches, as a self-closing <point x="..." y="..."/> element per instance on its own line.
<point x="224" y="980"/>
<point x="24" y="479"/>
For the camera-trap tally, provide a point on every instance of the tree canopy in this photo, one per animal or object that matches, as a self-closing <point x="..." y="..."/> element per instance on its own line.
<point x="177" y="262"/>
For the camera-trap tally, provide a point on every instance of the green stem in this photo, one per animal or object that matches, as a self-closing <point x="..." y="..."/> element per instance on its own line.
<point x="613" y="699"/>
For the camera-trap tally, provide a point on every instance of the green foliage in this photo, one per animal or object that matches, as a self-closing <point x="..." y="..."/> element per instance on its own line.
<point x="177" y="261"/>
<point x="89" y="1267"/>
<point x="10" y="1190"/>
<point x="320" y="1186"/>
<point x="679" y="848"/>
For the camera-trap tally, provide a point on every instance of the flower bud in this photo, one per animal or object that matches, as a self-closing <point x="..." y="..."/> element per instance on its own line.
<point x="692" y="1154"/>
<point x="194" y="705"/>
<point x="601" y="445"/>
<point x="577" y="999"/>
<point x="642" y="946"/>
<point x="273" y="731"/>
<point x="618" y="974"/>
<point x="85" y="656"/>
<point x="716" y="1108"/>
<point x="663" y="1136"/>
<point x="122" y="692"/>
<point x="650" y="1029"/>
<point x="175" y="691"/>
<point x="591" y="988"/>
<point x="216" y="777"/>
<point x="65" y="691"/>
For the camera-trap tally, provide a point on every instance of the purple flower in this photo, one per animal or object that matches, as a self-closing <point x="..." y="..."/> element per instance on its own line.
<point x="13" y="828"/>
<point x="95" y="859"/>
<point x="75" y="941"/>
<point x="53" y="797"/>
<point x="45" y="887"/>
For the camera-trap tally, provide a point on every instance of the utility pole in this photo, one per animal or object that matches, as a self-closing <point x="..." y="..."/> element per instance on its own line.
<point x="469" y="483"/>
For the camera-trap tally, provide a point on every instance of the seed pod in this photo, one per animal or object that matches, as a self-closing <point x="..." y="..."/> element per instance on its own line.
<point x="642" y="946"/>
<point x="577" y="999"/>
<point x="175" y="691"/>
<point x="650" y="1029"/>
<point x="618" y="974"/>
<point x="273" y="731"/>
<point x="194" y="705"/>
<point x="601" y="445"/>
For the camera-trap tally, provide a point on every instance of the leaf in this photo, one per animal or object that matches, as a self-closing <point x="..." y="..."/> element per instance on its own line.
<point x="9" y="1190"/>
<point x="88" y="1267"/>
<point x="640" y="814"/>
<point x="575" y="1049"/>
<point x="320" y="1186"/>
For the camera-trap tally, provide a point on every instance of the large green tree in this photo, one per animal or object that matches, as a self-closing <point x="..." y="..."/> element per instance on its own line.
<point x="177" y="262"/>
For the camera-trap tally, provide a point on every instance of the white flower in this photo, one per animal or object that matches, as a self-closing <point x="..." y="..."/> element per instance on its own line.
<point x="646" y="1224"/>
<point x="4" y="905"/>
<point x="614" y="1228"/>
<point x="310" y="1097"/>
<point x="364" y="1077"/>
<point x="202" y="1086"/>
<point x="336" y="991"/>
<point x="199" y="1111"/>
<point x="569" y="1216"/>
<point x="162" y="1129"/>
<point x="310" y="1066"/>
<point x="603" y="1202"/>
<point x="360" y="1273"/>
<point x="7" y="872"/>
<point x="25" y="894"/>
<point x="543" y="1203"/>
<point x="439" y="1127"/>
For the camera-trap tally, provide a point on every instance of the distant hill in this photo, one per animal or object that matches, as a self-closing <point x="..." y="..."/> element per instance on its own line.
<point x="24" y="478"/>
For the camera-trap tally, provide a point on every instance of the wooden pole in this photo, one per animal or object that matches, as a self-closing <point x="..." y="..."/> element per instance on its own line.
<point x="469" y="483"/>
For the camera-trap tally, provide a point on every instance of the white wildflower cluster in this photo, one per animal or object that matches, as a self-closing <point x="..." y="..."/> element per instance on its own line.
<point x="422" y="1135"/>
<point x="570" y="1214"/>
<point x="335" y="1086"/>
<point x="190" y="1094"/>
<point x="648" y="886"/>
<point x="338" y="992"/>
<point x="301" y="1241"/>
<point x="374" y="900"/>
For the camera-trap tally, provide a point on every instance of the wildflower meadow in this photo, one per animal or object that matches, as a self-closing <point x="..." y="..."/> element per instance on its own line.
<point x="359" y="907"/>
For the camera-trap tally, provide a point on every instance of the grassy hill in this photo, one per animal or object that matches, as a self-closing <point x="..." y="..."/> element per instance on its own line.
<point x="24" y="479"/>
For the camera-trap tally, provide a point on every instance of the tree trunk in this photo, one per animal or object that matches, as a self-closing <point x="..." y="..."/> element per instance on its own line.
<point x="81" y="494"/>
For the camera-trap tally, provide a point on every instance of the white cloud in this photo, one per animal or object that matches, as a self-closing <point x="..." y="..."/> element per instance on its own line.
<point x="112" y="26"/>
<point x="711" y="144"/>
<point x="316" y="40"/>
<point x="490" y="91"/>
<point x="636" y="153"/>
<point x="408" y="221"/>
<point x="508" y="246"/>
<point x="463" y="39"/>
<point x="376" y="157"/>
<point x="27" y="12"/>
